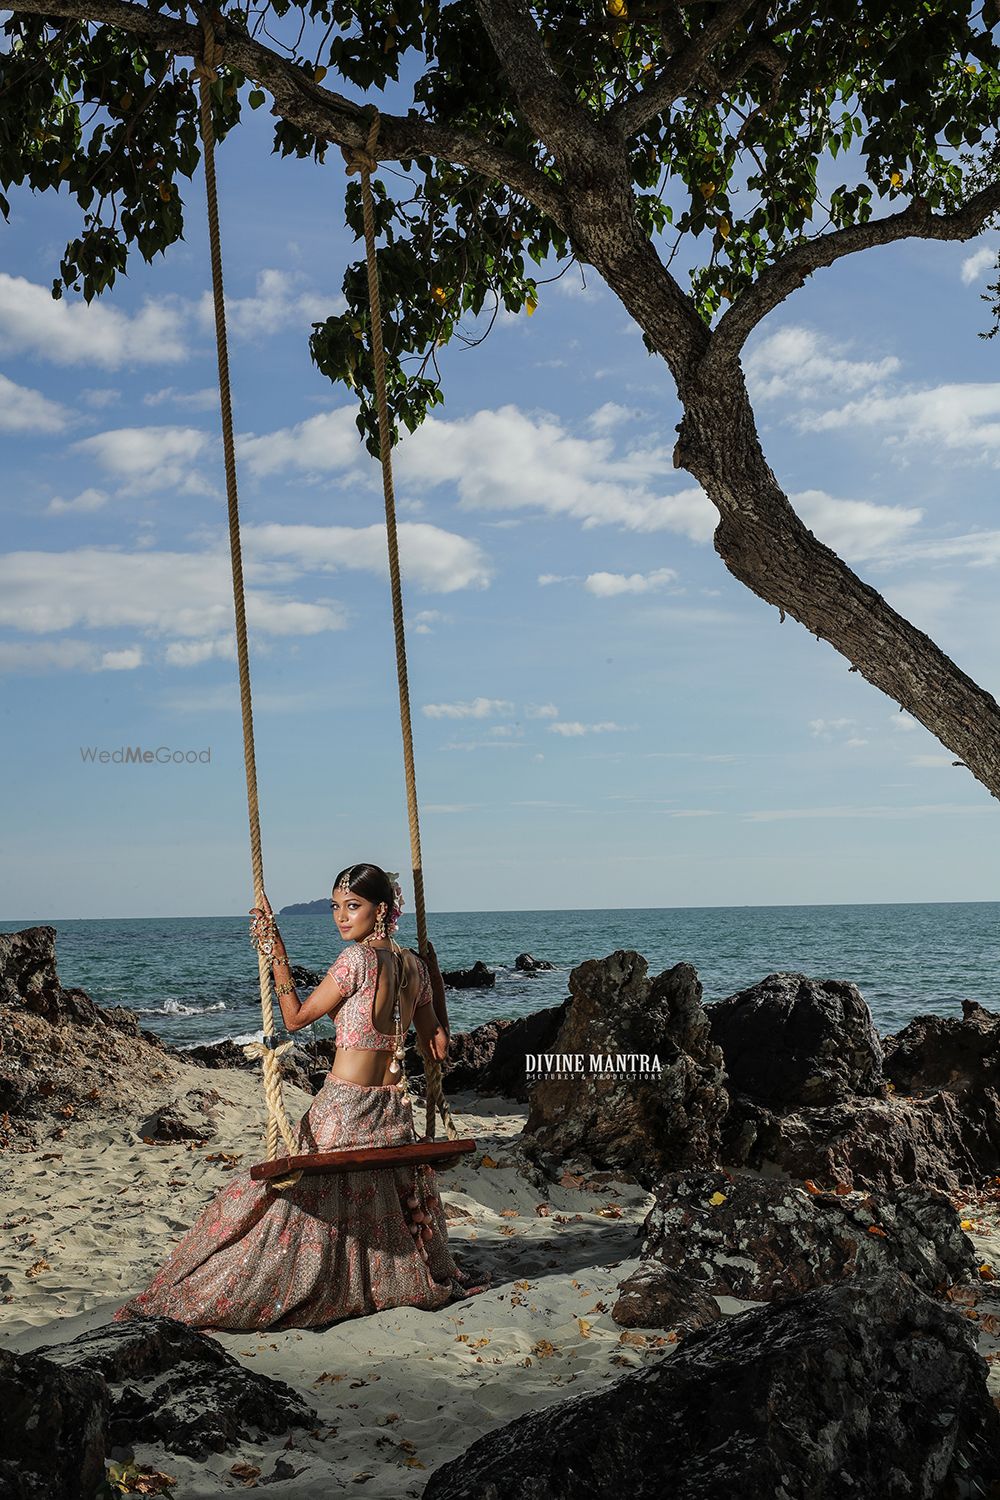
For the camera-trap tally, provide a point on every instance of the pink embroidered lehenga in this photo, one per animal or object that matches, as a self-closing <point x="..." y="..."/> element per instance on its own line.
<point x="335" y="1245"/>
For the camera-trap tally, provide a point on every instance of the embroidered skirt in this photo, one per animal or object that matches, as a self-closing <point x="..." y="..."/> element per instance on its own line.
<point x="336" y="1245"/>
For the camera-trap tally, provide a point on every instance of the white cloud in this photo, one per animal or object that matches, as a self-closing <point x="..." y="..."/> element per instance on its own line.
<point x="423" y="621"/>
<point x="25" y="410"/>
<point x="500" y="460"/>
<point x="85" y="502"/>
<point x="541" y="711"/>
<point x="326" y="443"/>
<point x="976" y="265"/>
<point x="903" y="723"/>
<point x="71" y="332"/>
<point x="800" y="363"/>
<point x="193" y="653"/>
<point x="125" y="660"/>
<point x="178" y="595"/>
<point x="282" y="300"/>
<point x="99" y="397"/>
<point x="889" y="814"/>
<point x="207" y="399"/>
<point x="573" y="729"/>
<point x="429" y="556"/>
<point x="609" y="585"/>
<point x="147" y="459"/>
<point x="510" y="460"/>
<point x="962" y="418"/>
<point x="855" y="528"/>
<point x="826" y="729"/>
<point x="609" y="416"/>
<point x="41" y="656"/>
<point x="479" y="708"/>
<point x="546" y="578"/>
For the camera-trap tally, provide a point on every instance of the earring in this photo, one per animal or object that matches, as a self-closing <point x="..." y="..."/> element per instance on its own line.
<point x="379" y="931"/>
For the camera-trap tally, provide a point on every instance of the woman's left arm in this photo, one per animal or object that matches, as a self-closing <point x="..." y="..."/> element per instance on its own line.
<point x="297" y="1013"/>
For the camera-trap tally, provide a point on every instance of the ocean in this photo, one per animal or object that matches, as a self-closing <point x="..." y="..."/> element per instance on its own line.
<point x="194" y="979"/>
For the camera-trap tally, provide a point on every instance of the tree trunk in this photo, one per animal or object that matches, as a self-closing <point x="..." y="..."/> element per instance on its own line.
<point x="766" y="546"/>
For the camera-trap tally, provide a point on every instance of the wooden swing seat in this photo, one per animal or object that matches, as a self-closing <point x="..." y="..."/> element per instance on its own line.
<point x="362" y="1158"/>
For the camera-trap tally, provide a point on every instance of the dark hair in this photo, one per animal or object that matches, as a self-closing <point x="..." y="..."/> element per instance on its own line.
<point x="370" y="881"/>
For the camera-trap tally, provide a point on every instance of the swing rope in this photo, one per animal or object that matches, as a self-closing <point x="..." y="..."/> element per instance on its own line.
<point x="270" y="1049"/>
<point x="365" y="162"/>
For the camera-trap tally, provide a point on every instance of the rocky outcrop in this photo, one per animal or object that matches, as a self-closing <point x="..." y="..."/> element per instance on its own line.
<point x="528" y="964"/>
<point x="945" y="1052"/>
<point x="643" y="1127"/>
<point x="491" y="1059"/>
<point x="876" y="1144"/>
<point x="476" y="978"/>
<point x="791" y="1040"/>
<point x="862" y="1389"/>
<point x="61" y="1056"/>
<point x="758" y="1238"/>
<point x="53" y="1429"/>
<point x="168" y="1384"/>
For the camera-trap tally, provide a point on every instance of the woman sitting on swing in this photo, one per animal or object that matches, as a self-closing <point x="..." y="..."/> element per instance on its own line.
<point x="336" y="1245"/>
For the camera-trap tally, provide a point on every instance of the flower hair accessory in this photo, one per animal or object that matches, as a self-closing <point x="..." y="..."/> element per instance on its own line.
<point x="397" y="907"/>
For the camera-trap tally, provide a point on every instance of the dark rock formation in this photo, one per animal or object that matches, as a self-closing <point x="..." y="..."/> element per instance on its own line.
<point x="52" y="1431"/>
<point x="943" y="1052"/>
<point x="790" y="1040"/>
<point x="61" y="1056"/>
<point x="759" y="1238"/>
<point x="866" y="1143"/>
<point x="189" y="1119"/>
<point x="169" y="1384"/>
<point x="528" y="964"/>
<point x="491" y="1058"/>
<point x="869" y="1388"/>
<point x="478" y="977"/>
<point x="656" y="1297"/>
<point x="641" y="1128"/>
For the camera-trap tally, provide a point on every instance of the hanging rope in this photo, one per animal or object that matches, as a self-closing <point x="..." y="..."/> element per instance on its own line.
<point x="269" y="1051"/>
<point x="365" y="162"/>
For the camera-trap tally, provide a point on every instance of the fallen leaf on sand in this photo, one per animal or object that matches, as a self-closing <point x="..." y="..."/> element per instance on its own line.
<point x="568" y="1179"/>
<point x="810" y="1186"/>
<point x="247" y="1472"/>
<point x="987" y="1273"/>
<point x="544" y="1349"/>
<point x="584" y="1328"/>
<point x="633" y="1339"/>
<point x="716" y="1199"/>
<point x="38" y="1268"/>
<point x="610" y="1211"/>
<point x="877" y="1229"/>
<point x="487" y="1161"/>
<point x="542" y="1210"/>
<point x="509" y="1213"/>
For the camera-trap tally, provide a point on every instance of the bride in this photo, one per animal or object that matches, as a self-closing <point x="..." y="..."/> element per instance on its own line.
<point x="336" y="1245"/>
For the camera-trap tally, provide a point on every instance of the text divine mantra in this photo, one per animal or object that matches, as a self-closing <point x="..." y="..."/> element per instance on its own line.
<point x="593" y="1062"/>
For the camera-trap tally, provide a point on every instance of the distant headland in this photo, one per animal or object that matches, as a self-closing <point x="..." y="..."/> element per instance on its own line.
<point x="305" y="908"/>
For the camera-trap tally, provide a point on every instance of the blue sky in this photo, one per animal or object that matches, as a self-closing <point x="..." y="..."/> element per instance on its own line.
<point x="601" y="715"/>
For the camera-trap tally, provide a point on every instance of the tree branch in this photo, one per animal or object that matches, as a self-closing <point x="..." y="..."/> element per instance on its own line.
<point x="311" y="107"/>
<point x="549" y="107"/>
<point x="774" y="284"/>
<point x="680" y="72"/>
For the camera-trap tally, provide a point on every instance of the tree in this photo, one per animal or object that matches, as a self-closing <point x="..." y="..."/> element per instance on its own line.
<point x="593" y="131"/>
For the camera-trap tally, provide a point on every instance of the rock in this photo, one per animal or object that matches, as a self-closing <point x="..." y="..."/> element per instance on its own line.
<point x="170" y="1385"/>
<point x="862" y="1389"/>
<point x="305" y="979"/>
<point x="656" y="1297"/>
<point x="759" y="1238"/>
<point x="62" y="1057"/>
<point x="640" y="1128"/>
<point x="179" y="1121"/>
<point x="530" y="965"/>
<point x="225" y="1054"/>
<point x="478" y="977"/>
<point x="52" y="1443"/>
<point x="791" y="1040"/>
<point x="943" y="1052"/>
<point x="870" y="1143"/>
<point x="491" y="1058"/>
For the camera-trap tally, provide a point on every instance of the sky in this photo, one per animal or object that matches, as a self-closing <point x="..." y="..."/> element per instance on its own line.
<point x="602" y="715"/>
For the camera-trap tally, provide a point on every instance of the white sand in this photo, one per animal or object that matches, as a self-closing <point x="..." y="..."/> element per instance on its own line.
<point x="402" y="1390"/>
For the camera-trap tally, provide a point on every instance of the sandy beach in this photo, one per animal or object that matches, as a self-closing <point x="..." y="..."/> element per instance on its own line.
<point x="90" y="1216"/>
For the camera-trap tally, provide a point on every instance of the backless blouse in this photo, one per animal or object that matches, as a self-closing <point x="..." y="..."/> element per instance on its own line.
<point x="356" y="972"/>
